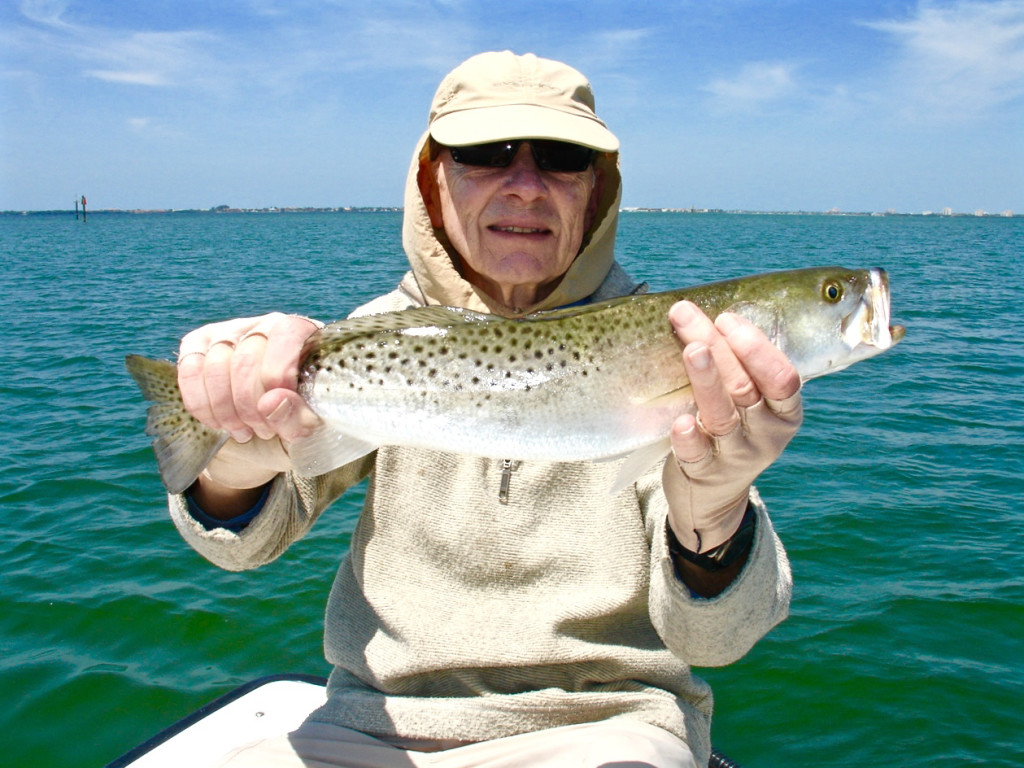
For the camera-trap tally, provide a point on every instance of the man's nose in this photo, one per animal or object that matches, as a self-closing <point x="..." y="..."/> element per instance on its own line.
<point x="524" y="175"/>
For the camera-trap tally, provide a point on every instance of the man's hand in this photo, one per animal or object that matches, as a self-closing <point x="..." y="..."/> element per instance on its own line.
<point x="748" y="408"/>
<point x="241" y="376"/>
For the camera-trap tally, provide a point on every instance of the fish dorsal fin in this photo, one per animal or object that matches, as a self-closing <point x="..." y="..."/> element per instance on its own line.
<point x="437" y="317"/>
<point x="583" y="309"/>
<point x="401" y="320"/>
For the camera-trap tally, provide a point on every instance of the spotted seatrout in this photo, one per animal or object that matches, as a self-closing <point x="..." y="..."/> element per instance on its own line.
<point x="591" y="382"/>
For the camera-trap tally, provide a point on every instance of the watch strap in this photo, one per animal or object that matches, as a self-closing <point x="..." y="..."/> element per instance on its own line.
<point x="726" y="553"/>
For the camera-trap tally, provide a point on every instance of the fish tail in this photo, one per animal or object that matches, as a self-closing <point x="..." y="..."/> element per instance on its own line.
<point x="183" y="446"/>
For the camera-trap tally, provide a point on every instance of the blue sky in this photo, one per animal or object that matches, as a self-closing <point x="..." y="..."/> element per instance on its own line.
<point x="786" y="105"/>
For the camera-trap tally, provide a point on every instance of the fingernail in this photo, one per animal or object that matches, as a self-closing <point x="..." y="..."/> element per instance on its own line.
<point x="727" y="322"/>
<point x="688" y="430"/>
<point x="280" y="413"/>
<point x="700" y="357"/>
<point x="683" y="312"/>
<point x="242" y="436"/>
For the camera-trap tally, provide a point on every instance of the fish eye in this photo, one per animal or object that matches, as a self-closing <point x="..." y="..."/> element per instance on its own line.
<point x="832" y="291"/>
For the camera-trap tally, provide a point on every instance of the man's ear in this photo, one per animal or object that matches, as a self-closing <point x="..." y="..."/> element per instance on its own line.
<point x="426" y="179"/>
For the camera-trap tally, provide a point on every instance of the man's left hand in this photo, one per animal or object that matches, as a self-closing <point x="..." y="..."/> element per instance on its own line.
<point x="748" y="401"/>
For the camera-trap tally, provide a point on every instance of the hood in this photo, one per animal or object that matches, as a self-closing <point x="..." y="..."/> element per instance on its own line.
<point x="439" y="282"/>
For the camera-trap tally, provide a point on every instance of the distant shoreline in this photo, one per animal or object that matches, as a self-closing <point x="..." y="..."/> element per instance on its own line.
<point x="224" y="209"/>
<point x="221" y="209"/>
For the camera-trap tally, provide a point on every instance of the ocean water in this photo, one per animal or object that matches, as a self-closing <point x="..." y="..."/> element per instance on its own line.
<point x="899" y="501"/>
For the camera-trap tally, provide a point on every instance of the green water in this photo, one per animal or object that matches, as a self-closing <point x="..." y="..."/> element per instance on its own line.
<point x="899" y="502"/>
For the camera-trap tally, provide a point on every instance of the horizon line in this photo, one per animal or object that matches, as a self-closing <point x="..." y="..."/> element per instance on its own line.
<point x="225" y="209"/>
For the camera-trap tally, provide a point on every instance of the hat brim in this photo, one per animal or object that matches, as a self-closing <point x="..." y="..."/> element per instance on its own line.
<point x="520" y="121"/>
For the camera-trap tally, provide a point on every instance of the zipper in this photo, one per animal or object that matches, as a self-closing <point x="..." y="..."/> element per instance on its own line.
<point x="508" y="466"/>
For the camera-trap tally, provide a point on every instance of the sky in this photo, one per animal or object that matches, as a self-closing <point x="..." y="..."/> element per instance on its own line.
<point x="868" y="105"/>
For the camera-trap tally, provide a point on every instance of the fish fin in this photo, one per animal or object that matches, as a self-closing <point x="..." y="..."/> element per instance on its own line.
<point x="183" y="446"/>
<point x="582" y="309"/>
<point x="326" y="449"/>
<point x="417" y="317"/>
<point x="638" y="462"/>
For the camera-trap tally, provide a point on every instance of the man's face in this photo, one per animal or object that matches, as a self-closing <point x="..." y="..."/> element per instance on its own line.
<point x="518" y="228"/>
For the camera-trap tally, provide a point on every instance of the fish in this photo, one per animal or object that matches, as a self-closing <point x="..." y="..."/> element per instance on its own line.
<point x="596" y="382"/>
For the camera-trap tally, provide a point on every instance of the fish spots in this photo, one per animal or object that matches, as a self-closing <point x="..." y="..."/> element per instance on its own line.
<point x="475" y="359"/>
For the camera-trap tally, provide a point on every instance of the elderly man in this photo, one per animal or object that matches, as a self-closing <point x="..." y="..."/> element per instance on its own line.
<point x="493" y="612"/>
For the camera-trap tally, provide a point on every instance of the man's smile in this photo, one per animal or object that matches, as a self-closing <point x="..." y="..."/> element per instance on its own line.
<point x="519" y="230"/>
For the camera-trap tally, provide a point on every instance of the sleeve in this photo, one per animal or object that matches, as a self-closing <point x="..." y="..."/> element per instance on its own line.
<point x="292" y="505"/>
<point x="714" y="632"/>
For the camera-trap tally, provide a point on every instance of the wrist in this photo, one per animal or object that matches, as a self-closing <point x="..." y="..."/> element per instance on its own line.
<point x="221" y="502"/>
<point x="700" y="529"/>
<point x="244" y="466"/>
<point x="723" y="554"/>
<point x="235" y="516"/>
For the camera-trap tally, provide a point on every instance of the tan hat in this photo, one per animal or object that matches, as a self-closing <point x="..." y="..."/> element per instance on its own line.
<point x="497" y="96"/>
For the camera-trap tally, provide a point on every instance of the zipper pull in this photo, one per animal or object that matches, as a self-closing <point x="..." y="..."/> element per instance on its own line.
<point x="508" y="466"/>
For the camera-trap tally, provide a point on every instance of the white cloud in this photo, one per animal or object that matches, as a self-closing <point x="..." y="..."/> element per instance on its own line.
<point x="958" y="58"/>
<point x="131" y="78"/>
<point x="48" y="42"/>
<point x="44" y="11"/>
<point x="756" y="84"/>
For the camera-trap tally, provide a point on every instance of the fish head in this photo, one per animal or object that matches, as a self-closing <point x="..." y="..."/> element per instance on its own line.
<point x="854" y="316"/>
<point x="826" y="319"/>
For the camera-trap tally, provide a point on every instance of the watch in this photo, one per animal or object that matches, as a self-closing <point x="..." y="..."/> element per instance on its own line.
<point x="726" y="553"/>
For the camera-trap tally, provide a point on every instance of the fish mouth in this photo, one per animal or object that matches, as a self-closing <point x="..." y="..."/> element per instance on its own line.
<point x="869" y="323"/>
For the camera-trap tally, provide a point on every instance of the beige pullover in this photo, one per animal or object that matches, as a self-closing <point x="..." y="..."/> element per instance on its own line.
<point x="462" y="612"/>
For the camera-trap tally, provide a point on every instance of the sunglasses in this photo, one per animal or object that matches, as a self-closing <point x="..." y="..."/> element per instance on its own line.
<point x="559" y="156"/>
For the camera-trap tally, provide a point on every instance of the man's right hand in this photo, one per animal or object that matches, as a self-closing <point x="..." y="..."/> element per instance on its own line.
<point x="241" y="376"/>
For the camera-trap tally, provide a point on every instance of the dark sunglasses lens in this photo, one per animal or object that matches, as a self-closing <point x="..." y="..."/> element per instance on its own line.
<point x="550" y="155"/>
<point x="497" y="154"/>
<point x="561" y="155"/>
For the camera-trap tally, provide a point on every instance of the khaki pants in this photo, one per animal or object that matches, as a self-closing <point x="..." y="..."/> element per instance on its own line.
<point x="609" y="744"/>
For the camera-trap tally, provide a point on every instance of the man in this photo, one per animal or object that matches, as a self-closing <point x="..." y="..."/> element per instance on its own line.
<point x="493" y="612"/>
